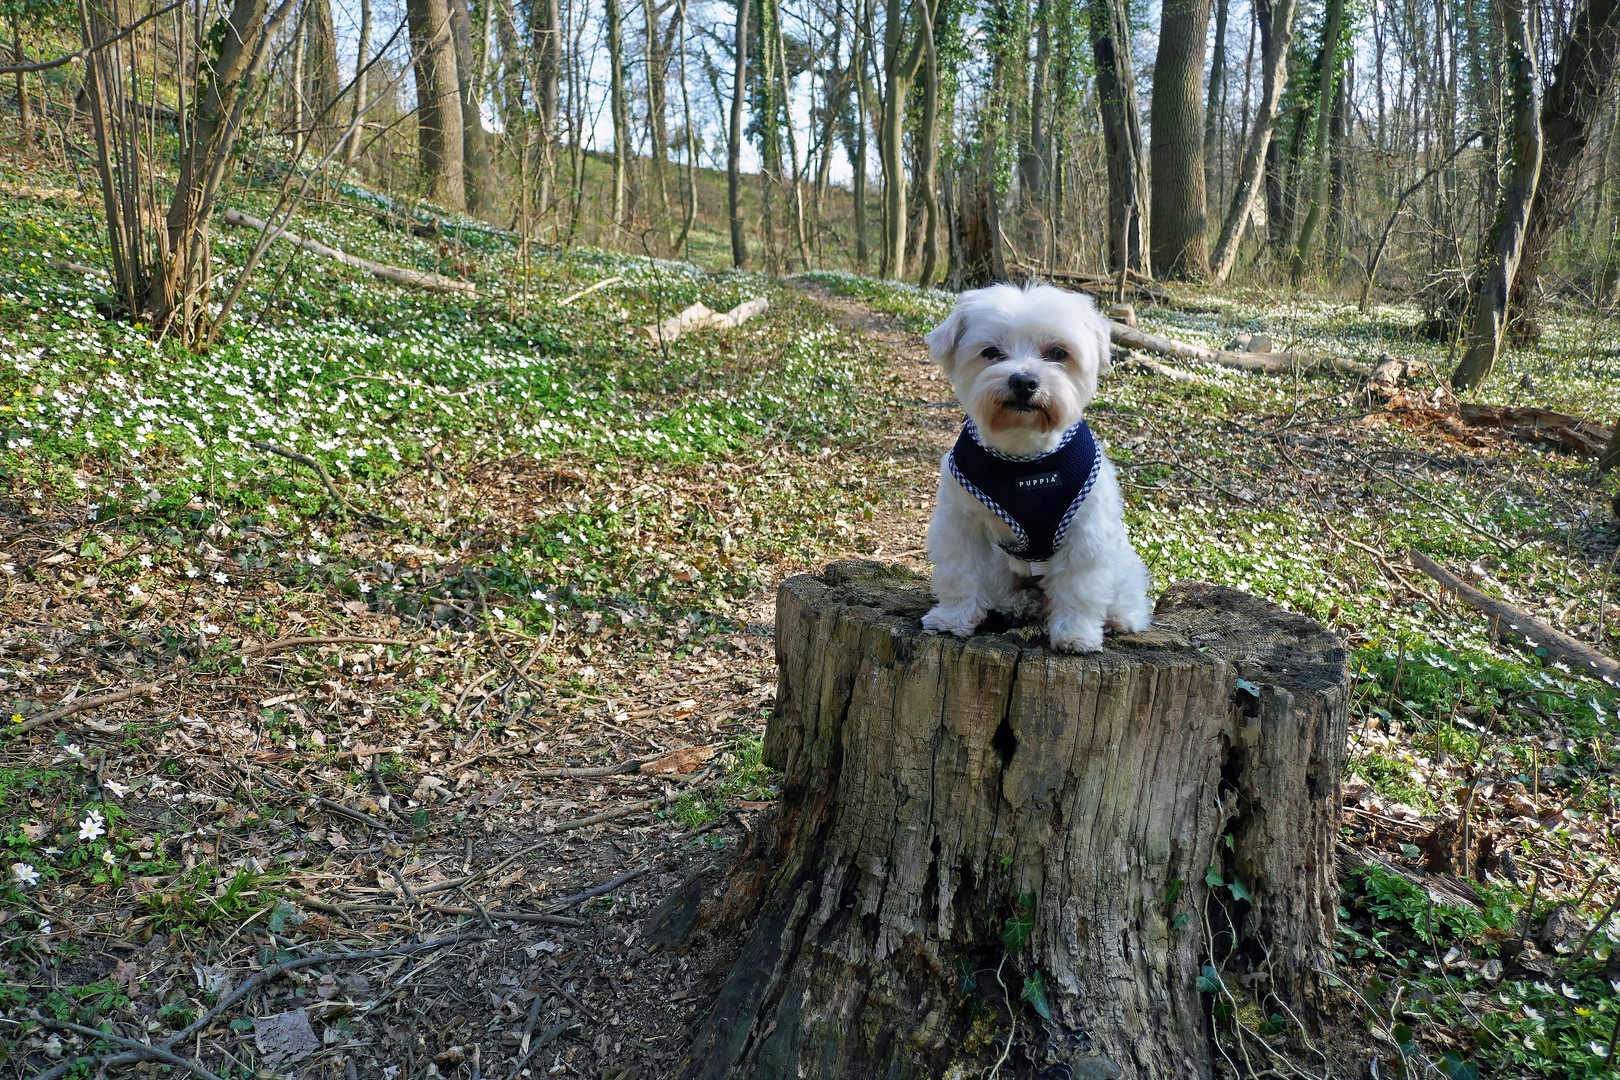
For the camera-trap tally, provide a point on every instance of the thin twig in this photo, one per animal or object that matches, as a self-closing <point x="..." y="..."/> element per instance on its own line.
<point x="142" y="1051"/>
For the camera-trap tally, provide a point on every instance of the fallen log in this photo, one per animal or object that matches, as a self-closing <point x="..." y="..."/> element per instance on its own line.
<point x="1611" y="453"/>
<point x="1276" y="363"/>
<point x="699" y="316"/>
<point x="1153" y="367"/>
<point x="1514" y="622"/>
<point x="397" y="274"/>
<point x="1571" y="434"/>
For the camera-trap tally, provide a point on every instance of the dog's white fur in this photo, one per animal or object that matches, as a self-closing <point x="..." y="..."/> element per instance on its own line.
<point x="1095" y="579"/>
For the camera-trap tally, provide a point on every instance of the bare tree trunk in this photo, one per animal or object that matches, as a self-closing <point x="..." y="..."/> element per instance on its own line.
<point x="1110" y="31"/>
<point x="362" y="58"/>
<point x="1331" y="27"/>
<point x="1338" y="166"/>
<point x="1274" y="75"/>
<point x="177" y="293"/>
<point x="792" y="139"/>
<point x="657" y="107"/>
<point x="1034" y="163"/>
<point x="320" y="68"/>
<point x="620" y="108"/>
<point x="1214" y="109"/>
<point x="927" y="178"/>
<point x="479" y="181"/>
<point x="739" y="95"/>
<point x="545" y="27"/>
<point x="899" y="73"/>
<point x="1176" y="156"/>
<point x="438" y="110"/>
<point x="1500" y="260"/>
<point x="25" y="107"/>
<point x="1584" y="79"/>
<point x="863" y="100"/>
<point x="690" y="206"/>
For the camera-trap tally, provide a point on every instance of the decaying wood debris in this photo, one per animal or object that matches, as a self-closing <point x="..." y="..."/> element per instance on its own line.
<point x="397" y="274"/>
<point x="699" y="316"/>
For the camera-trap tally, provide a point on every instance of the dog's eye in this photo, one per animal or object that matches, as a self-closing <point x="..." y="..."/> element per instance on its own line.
<point x="1057" y="354"/>
<point x="992" y="354"/>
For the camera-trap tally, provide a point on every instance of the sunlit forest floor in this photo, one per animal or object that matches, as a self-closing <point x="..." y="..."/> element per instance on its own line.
<point x="527" y="653"/>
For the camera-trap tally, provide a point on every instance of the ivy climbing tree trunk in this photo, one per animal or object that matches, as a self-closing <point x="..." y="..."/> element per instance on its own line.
<point x="1071" y="844"/>
<point x="1108" y="23"/>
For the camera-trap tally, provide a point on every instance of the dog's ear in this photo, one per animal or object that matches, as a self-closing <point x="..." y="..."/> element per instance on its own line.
<point x="944" y="339"/>
<point x="1093" y="331"/>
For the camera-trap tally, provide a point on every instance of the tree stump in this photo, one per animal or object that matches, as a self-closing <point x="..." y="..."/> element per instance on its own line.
<point x="973" y="828"/>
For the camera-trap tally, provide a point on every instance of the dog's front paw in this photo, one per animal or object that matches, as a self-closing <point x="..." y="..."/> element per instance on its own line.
<point x="1076" y="635"/>
<point x="960" y="621"/>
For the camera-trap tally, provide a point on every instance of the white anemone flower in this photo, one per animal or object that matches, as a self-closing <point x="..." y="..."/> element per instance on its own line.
<point x="93" y="826"/>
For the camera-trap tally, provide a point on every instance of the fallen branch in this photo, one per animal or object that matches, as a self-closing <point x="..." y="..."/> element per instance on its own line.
<point x="134" y="1051"/>
<point x="1142" y="360"/>
<point x="596" y="890"/>
<point x="308" y="462"/>
<point x="397" y="274"/>
<point x="1275" y="363"/>
<point x="604" y="283"/>
<point x="699" y="316"/>
<point x="1508" y="618"/>
<point x="546" y="917"/>
<point x="81" y="704"/>
<point x="1611" y="453"/>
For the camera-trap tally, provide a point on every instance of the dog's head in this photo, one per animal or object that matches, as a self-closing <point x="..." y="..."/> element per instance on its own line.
<point x="1024" y="361"/>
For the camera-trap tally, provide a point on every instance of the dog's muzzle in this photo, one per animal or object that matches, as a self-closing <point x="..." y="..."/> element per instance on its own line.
<point x="1021" y="388"/>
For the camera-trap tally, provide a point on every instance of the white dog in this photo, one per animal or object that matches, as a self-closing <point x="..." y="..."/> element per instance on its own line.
<point x="1026" y="492"/>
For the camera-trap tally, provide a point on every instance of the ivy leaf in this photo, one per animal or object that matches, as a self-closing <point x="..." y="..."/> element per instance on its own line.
<point x="1172" y="892"/>
<point x="1035" y="994"/>
<point x="1209" y="981"/>
<point x="965" y="982"/>
<point x="1248" y="687"/>
<point x="1213" y="878"/>
<point x="1179" y="921"/>
<point x="241" y="1024"/>
<point x="1015" y="935"/>
<point x="1240" y="891"/>
<point x="1458" y="1069"/>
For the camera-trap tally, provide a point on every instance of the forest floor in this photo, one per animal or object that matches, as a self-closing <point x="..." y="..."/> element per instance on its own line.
<point x="438" y="746"/>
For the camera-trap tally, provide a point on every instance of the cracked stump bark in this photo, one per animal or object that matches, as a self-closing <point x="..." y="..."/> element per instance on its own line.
<point x="932" y="789"/>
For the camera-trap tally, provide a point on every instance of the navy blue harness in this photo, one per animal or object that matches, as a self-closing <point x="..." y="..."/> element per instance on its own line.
<point x="1036" y="496"/>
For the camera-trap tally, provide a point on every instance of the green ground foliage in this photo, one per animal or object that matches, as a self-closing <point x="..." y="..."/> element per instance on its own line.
<point x="513" y="468"/>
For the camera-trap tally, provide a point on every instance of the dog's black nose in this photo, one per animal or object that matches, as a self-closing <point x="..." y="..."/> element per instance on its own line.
<point x="1023" y="386"/>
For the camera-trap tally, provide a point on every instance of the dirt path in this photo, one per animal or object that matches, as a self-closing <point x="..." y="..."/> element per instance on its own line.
<point x="924" y="421"/>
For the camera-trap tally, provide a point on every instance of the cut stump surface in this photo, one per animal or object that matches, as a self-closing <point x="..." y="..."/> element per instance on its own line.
<point x="934" y="789"/>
